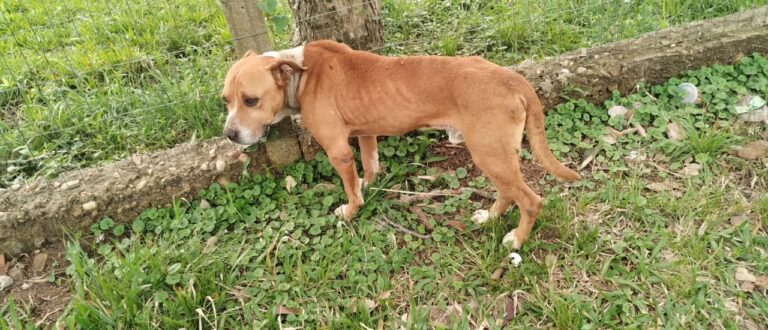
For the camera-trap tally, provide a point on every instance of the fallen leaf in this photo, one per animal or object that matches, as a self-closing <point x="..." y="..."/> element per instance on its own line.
<point x="282" y="310"/>
<point x="747" y="286"/>
<point x="762" y="281"/>
<point x="3" y="266"/>
<point x="753" y="150"/>
<point x="739" y="219"/>
<point x="385" y="295"/>
<point x="422" y="217"/>
<point x="590" y="156"/>
<point x="210" y="244"/>
<point x="691" y="169"/>
<point x="458" y="225"/>
<point x="742" y="274"/>
<point x="427" y="177"/>
<point x="674" y="132"/>
<point x="617" y="110"/>
<point x="498" y="273"/>
<point x="370" y="304"/>
<point x="290" y="182"/>
<point x="511" y="307"/>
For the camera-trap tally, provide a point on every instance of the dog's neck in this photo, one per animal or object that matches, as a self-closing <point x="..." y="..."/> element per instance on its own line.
<point x="295" y="54"/>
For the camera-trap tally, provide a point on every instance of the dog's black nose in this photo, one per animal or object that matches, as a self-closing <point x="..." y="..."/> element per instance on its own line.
<point x="231" y="134"/>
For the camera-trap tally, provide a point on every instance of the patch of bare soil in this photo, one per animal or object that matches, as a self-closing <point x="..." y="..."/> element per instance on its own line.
<point x="458" y="156"/>
<point x="31" y="290"/>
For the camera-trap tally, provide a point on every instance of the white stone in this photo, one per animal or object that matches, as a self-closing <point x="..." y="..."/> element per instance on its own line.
<point x="5" y="282"/>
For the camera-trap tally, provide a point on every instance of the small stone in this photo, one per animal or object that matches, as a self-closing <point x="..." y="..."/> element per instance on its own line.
<point x="136" y="160"/>
<point x="5" y="282"/>
<point x="25" y="286"/>
<point x="89" y="206"/>
<point x="204" y="167"/>
<point x="220" y="165"/>
<point x="38" y="262"/>
<point x="546" y="86"/>
<point x="70" y="184"/>
<point x="142" y="184"/>
<point x="581" y="70"/>
<point x="752" y="150"/>
<point x="16" y="273"/>
<point x="204" y="204"/>
<point x="212" y="153"/>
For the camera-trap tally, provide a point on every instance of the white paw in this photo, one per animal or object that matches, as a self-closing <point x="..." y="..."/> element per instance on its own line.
<point x="515" y="259"/>
<point x="510" y="241"/>
<point x="339" y="211"/>
<point x="481" y="216"/>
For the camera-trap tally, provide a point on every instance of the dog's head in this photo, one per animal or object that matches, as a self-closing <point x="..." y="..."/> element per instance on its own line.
<point x="254" y="94"/>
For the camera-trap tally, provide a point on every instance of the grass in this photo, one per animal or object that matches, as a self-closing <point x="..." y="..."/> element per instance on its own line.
<point x="88" y="82"/>
<point x="607" y="252"/>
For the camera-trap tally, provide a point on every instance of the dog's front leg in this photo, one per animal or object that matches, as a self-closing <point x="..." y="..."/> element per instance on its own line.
<point x="369" y="156"/>
<point x="342" y="160"/>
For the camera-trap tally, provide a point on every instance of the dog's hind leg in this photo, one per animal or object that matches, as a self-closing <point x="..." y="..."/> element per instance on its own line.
<point x="369" y="156"/>
<point x="496" y="153"/>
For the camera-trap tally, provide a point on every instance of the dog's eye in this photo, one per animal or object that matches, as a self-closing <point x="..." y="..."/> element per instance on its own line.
<point x="250" y="101"/>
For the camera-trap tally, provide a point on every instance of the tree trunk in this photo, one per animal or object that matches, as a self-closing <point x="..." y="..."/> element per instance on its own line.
<point x="356" y="23"/>
<point x="34" y="213"/>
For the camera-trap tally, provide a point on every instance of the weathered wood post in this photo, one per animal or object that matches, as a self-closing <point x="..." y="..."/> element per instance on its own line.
<point x="249" y="32"/>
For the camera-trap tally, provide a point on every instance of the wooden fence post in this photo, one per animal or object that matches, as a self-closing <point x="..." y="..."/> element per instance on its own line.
<point x="249" y="32"/>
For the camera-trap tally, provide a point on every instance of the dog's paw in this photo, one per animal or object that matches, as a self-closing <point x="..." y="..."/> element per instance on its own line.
<point x="510" y="241"/>
<point x="340" y="211"/>
<point x="481" y="216"/>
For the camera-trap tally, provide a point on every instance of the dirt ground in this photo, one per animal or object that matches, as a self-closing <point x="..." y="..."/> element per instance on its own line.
<point x="32" y="291"/>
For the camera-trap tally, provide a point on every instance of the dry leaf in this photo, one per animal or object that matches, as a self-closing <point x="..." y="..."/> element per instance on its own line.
<point x="422" y="217"/>
<point x="427" y="177"/>
<point x="674" y="132"/>
<point x="691" y="169"/>
<point x="742" y="274"/>
<point x="290" y="182"/>
<point x="747" y="286"/>
<point x="210" y="243"/>
<point x="762" y="281"/>
<point x="739" y="219"/>
<point x="617" y="110"/>
<point x="370" y="304"/>
<point x="458" y="225"/>
<point x="385" y="295"/>
<point x="752" y="150"/>
<point x="282" y="310"/>
<point x="498" y="273"/>
<point x="590" y="156"/>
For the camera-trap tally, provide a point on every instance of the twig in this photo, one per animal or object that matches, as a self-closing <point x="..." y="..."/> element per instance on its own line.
<point x="39" y="323"/>
<point x="667" y="171"/>
<point x="403" y="229"/>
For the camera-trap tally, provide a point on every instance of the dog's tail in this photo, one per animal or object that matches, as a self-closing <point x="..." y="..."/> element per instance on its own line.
<point x="537" y="137"/>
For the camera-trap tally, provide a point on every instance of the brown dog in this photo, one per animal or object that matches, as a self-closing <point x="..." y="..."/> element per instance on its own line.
<point x="341" y="92"/>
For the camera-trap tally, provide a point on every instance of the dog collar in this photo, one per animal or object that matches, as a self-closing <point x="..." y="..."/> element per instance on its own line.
<point x="292" y="89"/>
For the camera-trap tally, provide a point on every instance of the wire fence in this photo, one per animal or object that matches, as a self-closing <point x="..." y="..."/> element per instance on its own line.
<point x="87" y="83"/>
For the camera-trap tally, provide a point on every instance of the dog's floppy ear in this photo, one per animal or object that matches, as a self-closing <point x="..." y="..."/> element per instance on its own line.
<point x="249" y="53"/>
<point x="283" y="69"/>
